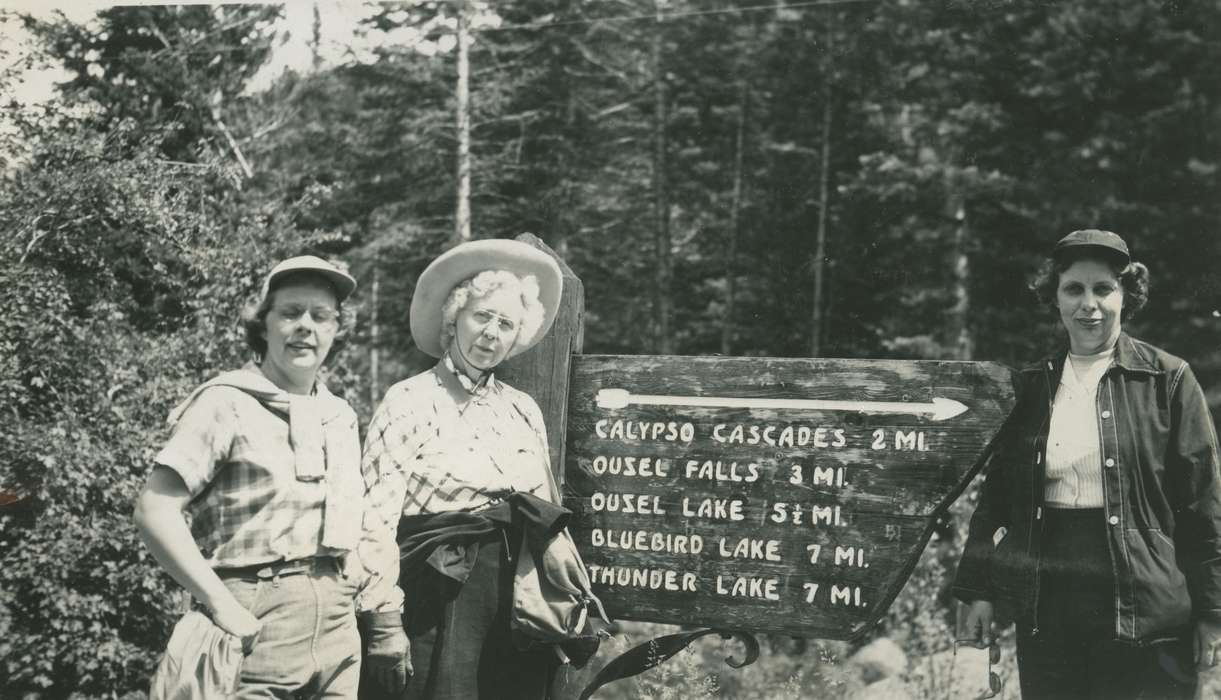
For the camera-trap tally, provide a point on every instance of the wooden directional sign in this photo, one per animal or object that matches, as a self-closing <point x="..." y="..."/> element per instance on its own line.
<point x="770" y="495"/>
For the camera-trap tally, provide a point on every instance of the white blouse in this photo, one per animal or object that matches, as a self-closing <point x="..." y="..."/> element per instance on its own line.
<point x="1074" y="447"/>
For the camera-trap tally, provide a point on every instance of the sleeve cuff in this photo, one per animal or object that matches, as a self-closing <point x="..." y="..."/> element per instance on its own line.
<point x="970" y="595"/>
<point x="191" y="480"/>
<point x="381" y="619"/>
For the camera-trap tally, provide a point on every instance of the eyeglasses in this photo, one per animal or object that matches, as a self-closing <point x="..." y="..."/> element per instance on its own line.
<point x="994" y="657"/>
<point x="320" y="314"/>
<point x="483" y="317"/>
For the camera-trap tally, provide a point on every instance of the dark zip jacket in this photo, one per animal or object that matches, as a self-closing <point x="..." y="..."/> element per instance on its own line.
<point x="1162" y="496"/>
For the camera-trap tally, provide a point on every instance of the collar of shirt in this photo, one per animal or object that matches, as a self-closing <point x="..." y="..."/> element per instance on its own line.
<point x="480" y="389"/>
<point x="1084" y="372"/>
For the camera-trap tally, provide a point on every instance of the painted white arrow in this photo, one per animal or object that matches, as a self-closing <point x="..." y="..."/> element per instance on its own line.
<point x="941" y="409"/>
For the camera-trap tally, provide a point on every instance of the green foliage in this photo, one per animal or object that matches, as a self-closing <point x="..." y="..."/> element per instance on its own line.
<point x="159" y="64"/>
<point x="122" y="274"/>
<point x="788" y="669"/>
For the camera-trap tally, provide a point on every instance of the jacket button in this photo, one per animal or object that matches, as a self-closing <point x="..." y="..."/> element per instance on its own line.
<point x="1106" y="414"/>
<point x="1114" y="520"/>
<point x="1110" y="462"/>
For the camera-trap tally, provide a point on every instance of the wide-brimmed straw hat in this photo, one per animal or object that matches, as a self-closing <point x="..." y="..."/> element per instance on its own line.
<point x="464" y="261"/>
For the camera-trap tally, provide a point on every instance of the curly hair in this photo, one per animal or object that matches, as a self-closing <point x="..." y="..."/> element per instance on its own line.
<point x="483" y="284"/>
<point x="1133" y="277"/>
<point x="254" y="315"/>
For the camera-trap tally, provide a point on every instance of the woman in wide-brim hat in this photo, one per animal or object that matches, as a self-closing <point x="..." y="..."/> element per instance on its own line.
<point x="1098" y="529"/>
<point x="446" y="452"/>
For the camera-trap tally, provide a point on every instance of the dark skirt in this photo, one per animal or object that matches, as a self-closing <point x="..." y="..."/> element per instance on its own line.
<point x="461" y="644"/>
<point x="1075" y="653"/>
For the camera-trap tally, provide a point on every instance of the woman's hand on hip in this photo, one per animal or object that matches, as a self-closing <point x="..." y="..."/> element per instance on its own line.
<point x="237" y="621"/>
<point x="977" y="625"/>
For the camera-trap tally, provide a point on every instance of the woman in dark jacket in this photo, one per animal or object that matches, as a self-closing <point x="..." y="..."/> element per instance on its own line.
<point x="1099" y="526"/>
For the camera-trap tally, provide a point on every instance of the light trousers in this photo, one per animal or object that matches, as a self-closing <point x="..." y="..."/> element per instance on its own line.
<point x="309" y="645"/>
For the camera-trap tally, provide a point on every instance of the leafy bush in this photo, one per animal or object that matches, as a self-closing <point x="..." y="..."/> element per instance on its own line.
<point x="119" y="297"/>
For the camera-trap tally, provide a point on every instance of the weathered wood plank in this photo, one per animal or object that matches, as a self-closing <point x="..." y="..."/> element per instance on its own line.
<point x="543" y="371"/>
<point x="796" y="518"/>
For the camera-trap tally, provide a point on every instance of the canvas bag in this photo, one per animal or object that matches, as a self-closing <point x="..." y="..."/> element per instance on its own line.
<point x="551" y="593"/>
<point x="552" y="596"/>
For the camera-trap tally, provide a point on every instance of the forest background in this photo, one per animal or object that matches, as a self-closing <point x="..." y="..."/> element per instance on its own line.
<point x="851" y="178"/>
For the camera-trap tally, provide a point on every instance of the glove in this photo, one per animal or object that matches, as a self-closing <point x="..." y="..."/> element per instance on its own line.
<point x="388" y="655"/>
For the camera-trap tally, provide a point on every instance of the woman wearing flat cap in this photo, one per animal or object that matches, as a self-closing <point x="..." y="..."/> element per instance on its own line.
<point x="267" y="463"/>
<point x="1099" y="525"/>
<point x="456" y="465"/>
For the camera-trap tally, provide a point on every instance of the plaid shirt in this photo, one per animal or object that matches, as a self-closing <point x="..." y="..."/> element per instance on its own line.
<point x="247" y="505"/>
<point x="438" y="444"/>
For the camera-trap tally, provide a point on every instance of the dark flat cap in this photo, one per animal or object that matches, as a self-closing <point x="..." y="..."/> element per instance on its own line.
<point x="1104" y="241"/>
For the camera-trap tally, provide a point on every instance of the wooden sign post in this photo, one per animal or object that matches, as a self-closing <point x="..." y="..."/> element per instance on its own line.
<point x="763" y="494"/>
<point x="754" y="494"/>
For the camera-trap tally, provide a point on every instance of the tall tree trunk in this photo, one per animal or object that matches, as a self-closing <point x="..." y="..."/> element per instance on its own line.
<point x="462" y="214"/>
<point x="960" y="332"/>
<point x="663" y="339"/>
<point x="824" y="177"/>
<point x="735" y="222"/>
<point x="316" y="39"/>
<point x="564" y="222"/>
<point x="375" y="383"/>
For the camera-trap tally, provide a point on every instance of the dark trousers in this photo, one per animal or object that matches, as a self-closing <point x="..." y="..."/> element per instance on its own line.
<point x="1075" y="655"/>
<point x="461" y="645"/>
